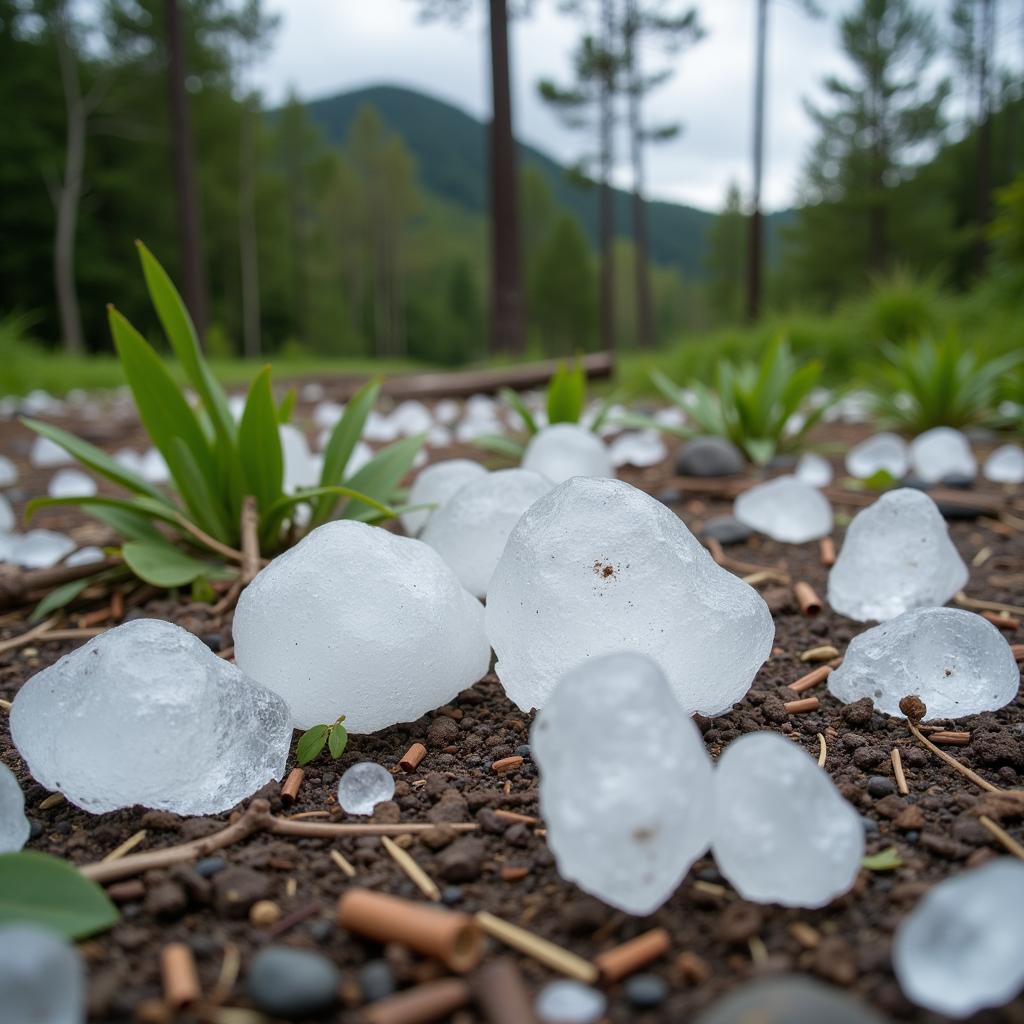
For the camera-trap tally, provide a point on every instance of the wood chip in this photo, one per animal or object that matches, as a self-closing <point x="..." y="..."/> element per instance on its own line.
<point x="411" y="759"/>
<point x="543" y="951"/>
<point x="981" y="557"/>
<point x="827" y="550"/>
<point x="812" y="679"/>
<point x="290" y="786"/>
<point x="798" y="707"/>
<point x="807" y="936"/>
<point x="807" y="599"/>
<point x="126" y="847"/>
<point x="897" y="771"/>
<point x="507" y="764"/>
<point x="417" y="875"/>
<point x="342" y="863"/>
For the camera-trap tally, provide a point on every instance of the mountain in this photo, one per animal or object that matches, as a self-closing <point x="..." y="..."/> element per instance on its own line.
<point x="450" y="148"/>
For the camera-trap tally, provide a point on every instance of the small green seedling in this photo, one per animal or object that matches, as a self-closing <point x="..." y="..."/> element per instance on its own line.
<point x="887" y="860"/>
<point x="313" y="740"/>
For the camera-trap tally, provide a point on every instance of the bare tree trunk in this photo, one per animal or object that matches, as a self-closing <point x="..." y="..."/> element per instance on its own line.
<point x="189" y="220"/>
<point x="507" y="305"/>
<point x="755" y="259"/>
<point x="607" y="199"/>
<point x="984" y="198"/>
<point x="247" y="239"/>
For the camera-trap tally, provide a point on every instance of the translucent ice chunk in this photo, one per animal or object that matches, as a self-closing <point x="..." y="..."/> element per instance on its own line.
<point x="625" y="829"/>
<point x="597" y="566"/>
<point x="785" y="510"/>
<point x="897" y="556"/>
<point x="783" y="833"/>
<point x="638" y="448"/>
<point x="7" y="519"/>
<point x="570" y="1002"/>
<point x="790" y="999"/>
<point x="887" y="452"/>
<point x="364" y="786"/>
<point x="1006" y="465"/>
<point x="40" y="549"/>
<point x="8" y="472"/>
<point x="45" y="452"/>
<point x="14" y="826"/>
<point x="942" y="452"/>
<point x="301" y="467"/>
<point x="435" y="486"/>
<point x="412" y="417"/>
<point x="42" y="980"/>
<point x="197" y="734"/>
<point x="84" y="556"/>
<point x="564" y="450"/>
<point x="813" y="470"/>
<point x="71" y="483"/>
<point x="153" y="467"/>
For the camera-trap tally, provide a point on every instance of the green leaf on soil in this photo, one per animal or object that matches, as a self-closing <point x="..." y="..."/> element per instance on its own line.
<point x="163" y="565"/>
<point x="887" y="860"/>
<point x="338" y="741"/>
<point x="311" y="742"/>
<point x="59" y="597"/>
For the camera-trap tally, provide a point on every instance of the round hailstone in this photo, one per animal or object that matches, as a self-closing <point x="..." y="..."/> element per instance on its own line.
<point x="783" y="834"/>
<point x="940" y="453"/>
<point x="14" y="826"/>
<point x="626" y="827"/>
<point x="434" y="486"/>
<point x="147" y="714"/>
<point x="364" y="786"/>
<point x="301" y="467"/>
<point x="7" y="518"/>
<point x="71" y="483"/>
<point x="42" y="979"/>
<point x="45" y="453"/>
<point x="888" y="452"/>
<point x="896" y="556"/>
<point x="470" y="530"/>
<point x="85" y="556"/>
<point x="153" y="467"/>
<point x="598" y="566"/>
<point x="565" y="450"/>
<point x="786" y="510"/>
<point x="356" y="621"/>
<point x="954" y="660"/>
<point x="40" y="549"/>
<point x="1005" y="465"/>
<point x="570" y="1002"/>
<point x="813" y="470"/>
<point x="959" y="950"/>
<point x="638" y="448"/>
<point x="8" y="472"/>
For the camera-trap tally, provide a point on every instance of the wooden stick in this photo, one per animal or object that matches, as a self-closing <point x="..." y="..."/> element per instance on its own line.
<point x="179" y="975"/>
<point x="17" y="584"/>
<point x="1001" y="620"/>
<point x="417" y="875"/>
<point x="499" y="990"/>
<point x="544" y="952"/>
<point x="1002" y="835"/>
<point x="343" y="863"/>
<point x="812" y="679"/>
<point x="952" y="761"/>
<point x="949" y="738"/>
<point x="987" y="606"/>
<point x="126" y="847"/>
<point x="807" y="599"/>
<point x="514" y="817"/>
<point x="1018" y="652"/>
<point x="433" y="1000"/>
<point x="798" y="707"/>
<point x="411" y="758"/>
<point x="822" y="751"/>
<point x="618" y="963"/>
<point x="897" y="771"/>
<point x="827" y="550"/>
<point x="229" y="968"/>
<point x="290" y="786"/>
<point x="28" y="636"/>
<point x="314" y="830"/>
<point x="250" y="525"/>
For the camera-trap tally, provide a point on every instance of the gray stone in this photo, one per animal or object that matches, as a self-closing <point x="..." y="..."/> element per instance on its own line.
<point x="726" y="530"/>
<point x="710" y="456"/>
<point x="292" y="983"/>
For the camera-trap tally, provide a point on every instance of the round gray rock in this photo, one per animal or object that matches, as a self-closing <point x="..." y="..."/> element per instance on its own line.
<point x="292" y="983"/>
<point x="710" y="456"/>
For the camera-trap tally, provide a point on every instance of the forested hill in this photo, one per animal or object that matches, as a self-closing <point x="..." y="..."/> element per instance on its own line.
<point x="450" y="148"/>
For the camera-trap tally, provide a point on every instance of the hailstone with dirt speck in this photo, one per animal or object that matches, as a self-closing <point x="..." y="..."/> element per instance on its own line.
<point x="598" y="566"/>
<point x="896" y="556"/>
<point x="783" y="833"/>
<point x="147" y="714"/>
<point x="357" y="621"/>
<point x="785" y="509"/>
<point x="14" y="826"/>
<point x="625" y="782"/>
<point x="435" y="486"/>
<point x="954" y="660"/>
<point x="564" y="450"/>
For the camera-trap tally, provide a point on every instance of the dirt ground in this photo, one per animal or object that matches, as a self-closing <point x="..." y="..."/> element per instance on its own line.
<point x="718" y="940"/>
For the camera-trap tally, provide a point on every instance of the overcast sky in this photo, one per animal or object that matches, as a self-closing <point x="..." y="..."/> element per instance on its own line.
<point x="328" y="46"/>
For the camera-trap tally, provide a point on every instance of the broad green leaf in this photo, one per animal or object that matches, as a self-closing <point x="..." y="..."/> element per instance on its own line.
<point x="128" y="525"/>
<point x="207" y="511"/>
<point x="382" y="474"/>
<point x="567" y="394"/>
<point x="338" y="741"/>
<point x="163" y="565"/>
<point x="515" y="400"/>
<point x="259" y="444"/>
<point x="36" y="888"/>
<point x="59" y="597"/>
<point x="880" y="480"/>
<point x="287" y="406"/>
<point x="311" y="742"/>
<point x="500" y="445"/>
<point x="887" y="860"/>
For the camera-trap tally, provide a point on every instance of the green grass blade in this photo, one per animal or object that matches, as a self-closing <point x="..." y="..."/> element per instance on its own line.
<point x="382" y="474"/>
<point x="515" y="400"/>
<point x="567" y="394"/>
<point x="287" y="407"/>
<point x="259" y="444"/>
<point x="500" y="445"/>
<point x="60" y="597"/>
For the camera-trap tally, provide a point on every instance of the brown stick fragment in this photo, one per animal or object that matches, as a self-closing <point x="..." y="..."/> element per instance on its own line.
<point x="416" y="874"/>
<point x="453" y="938"/>
<point x="412" y="757"/>
<point x="330" y="830"/>
<point x="812" y="679"/>
<point x="94" y="618"/>
<point x="544" y="952"/>
<point x="1002" y="836"/>
<point x="807" y="599"/>
<point x="343" y="863"/>
<point x="952" y="761"/>
<point x="1018" y="652"/>
<point x="826" y="652"/>
<point x="976" y="604"/>
<point x="797" y="707"/>
<point x="435" y="1000"/>
<point x="512" y="873"/>
<point x="290" y="786"/>
<point x="1008" y="623"/>
<point x="516" y="818"/>
<point x="179" y="976"/>
<point x="622" y="961"/>
<point x="17" y="585"/>
<point x="507" y="764"/>
<point x="35" y="633"/>
<point x="949" y="738"/>
<point x="897" y="771"/>
<point x="289" y="921"/>
<point x="250" y="525"/>
<point x="827" y="549"/>
<point x="499" y="990"/>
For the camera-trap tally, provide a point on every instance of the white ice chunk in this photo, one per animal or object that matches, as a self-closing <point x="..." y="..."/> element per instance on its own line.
<point x="7" y="517"/>
<point x="1006" y="465"/>
<point x="40" y="549"/>
<point x="638" y="448"/>
<point x="363" y="786"/>
<point x="327" y="414"/>
<point x="42" y="980"/>
<point x="813" y="470"/>
<point x="785" y="510"/>
<point x="197" y="734"/>
<point x="45" y="452"/>
<point x="887" y="452"/>
<point x="84" y="556"/>
<point x="14" y="826"/>
<point x="435" y="486"/>
<point x="71" y="483"/>
<point x="354" y="620"/>
<point x="301" y="467"/>
<point x="954" y="660"/>
<point x="470" y="530"/>
<point x="564" y="450"/>
<point x="598" y="566"/>
<point x="626" y="828"/>
<point x="942" y="452"/>
<point x="897" y="556"/>
<point x="959" y="950"/>
<point x="783" y="833"/>
<point x="439" y="436"/>
<point x="447" y="411"/>
<point x="154" y="467"/>
<point x="570" y="1002"/>
<point x="670" y="416"/>
<point x="380" y="427"/>
<point x="412" y="417"/>
<point x="130" y="460"/>
<point x="8" y="472"/>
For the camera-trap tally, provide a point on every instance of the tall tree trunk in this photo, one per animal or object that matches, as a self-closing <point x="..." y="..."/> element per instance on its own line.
<point x="507" y="306"/>
<point x="984" y="198"/>
<point x="755" y="259"/>
<point x="247" y="239"/>
<point x="642" y="286"/>
<point x="193" y="274"/>
<point x="607" y="199"/>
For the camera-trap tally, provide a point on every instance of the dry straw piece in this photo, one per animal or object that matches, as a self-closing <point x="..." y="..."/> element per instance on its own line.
<point x="436" y="1000"/>
<point x="897" y="771"/>
<point x="812" y="679"/>
<point x="446" y="935"/>
<point x="126" y="847"/>
<point x="1002" y="836"/>
<point x="622" y="961"/>
<point x="541" y="950"/>
<point x="417" y="875"/>
<point x="412" y="757"/>
<point x="824" y="653"/>
<point x="343" y="863"/>
<point x="806" y="598"/>
<point x="822" y="751"/>
<point x="179" y="976"/>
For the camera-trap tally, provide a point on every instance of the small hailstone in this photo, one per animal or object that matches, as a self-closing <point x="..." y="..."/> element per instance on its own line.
<point x="412" y="417"/>
<point x="447" y="411"/>
<point x="813" y="470"/>
<point x="597" y="566"/>
<point x="236" y="406"/>
<point x="888" y="452"/>
<point x="638" y="448"/>
<point x="40" y="549"/>
<point x="564" y="450"/>
<point x="785" y="510"/>
<point x="14" y="826"/>
<point x="942" y="452"/>
<point x="8" y="472"/>
<point x="380" y="427"/>
<point x="45" y="453"/>
<point x="199" y="736"/>
<point x="436" y="485"/>
<point x="470" y="529"/>
<point x="955" y="661"/>
<point x="364" y="786"/>
<point x="129" y="459"/>
<point x="959" y="950"/>
<point x="783" y="833"/>
<point x="670" y="416"/>
<point x="153" y="467"/>
<point x="71" y="483"/>
<point x="897" y="556"/>
<point x="1005" y="465"/>
<point x="327" y="414"/>
<point x="42" y="980"/>
<point x="570" y="1002"/>
<point x="7" y="518"/>
<point x="84" y="556"/>
<point x="301" y="467"/>
<point x="439" y="436"/>
<point x="625" y="828"/>
<point x="354" y="620"/>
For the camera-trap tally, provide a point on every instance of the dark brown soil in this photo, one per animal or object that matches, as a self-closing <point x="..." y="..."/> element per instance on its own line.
<point x="935" y="829"/>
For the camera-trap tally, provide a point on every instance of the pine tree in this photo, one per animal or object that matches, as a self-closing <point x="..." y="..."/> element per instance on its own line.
<point x="725" y="259"/>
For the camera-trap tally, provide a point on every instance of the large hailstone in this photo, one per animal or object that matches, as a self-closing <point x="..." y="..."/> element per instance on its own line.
<point x="940" y="453"/>
<point x="785" y="509"/>
<point x="783" y="834"/>
<point x="627" y="826"/>
<point x="883" y="452"/>
<point x="564" y="450"/>
<point x="470" y="530"/>
<point x="14" y="826"/>
<point x="354" y="620"/>
<point x="959" y="950"/>
<point x="598" y="566"/>
<point x="434" y="486"/>
<point x="954" y="660"/>
<point x="42" y="978"/>
<point x="1005" y="465"/>
<point x="147" y="714"/>
<point x="897" y="556"/>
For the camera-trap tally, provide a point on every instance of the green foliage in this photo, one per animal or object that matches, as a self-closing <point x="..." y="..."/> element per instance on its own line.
<point x="928" y="383"/>
<point x="38" y="889"/>
<point x="901" y="307"/>
<point x="313" y="740"/>
<point x="887" y="860"/>
<point x="567" y="394"/>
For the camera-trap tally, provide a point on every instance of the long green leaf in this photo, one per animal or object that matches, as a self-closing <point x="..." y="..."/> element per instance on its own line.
<point x="287" y="406"/>
<point x="515" y="400"/>
<point x="567" y="394"/>
<point x="259" y="444"/>
<point x="163" y="565"/>
<point x="142" y="506"/>
<point x="382" y="474"/>
<point x="59" y="597"/>
<point x="278" y="512"/>
<point x="500" y="445"/>
<point x="207" y="510"/>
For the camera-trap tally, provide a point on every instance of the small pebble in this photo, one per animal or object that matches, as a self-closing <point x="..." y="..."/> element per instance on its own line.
<point x="645" y="991"/>
<point x="209" y="866"/>
<point x="292" y="983"/>
<point x="264" y="912"/>
<point x="376" y="980"/>
<point x="451" y="895"/>
<point x="570" y="1002"/>
<point x="879" y="785"/>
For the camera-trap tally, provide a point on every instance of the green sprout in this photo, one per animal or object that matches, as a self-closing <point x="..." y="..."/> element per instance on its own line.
<point x="313" y="740"/>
